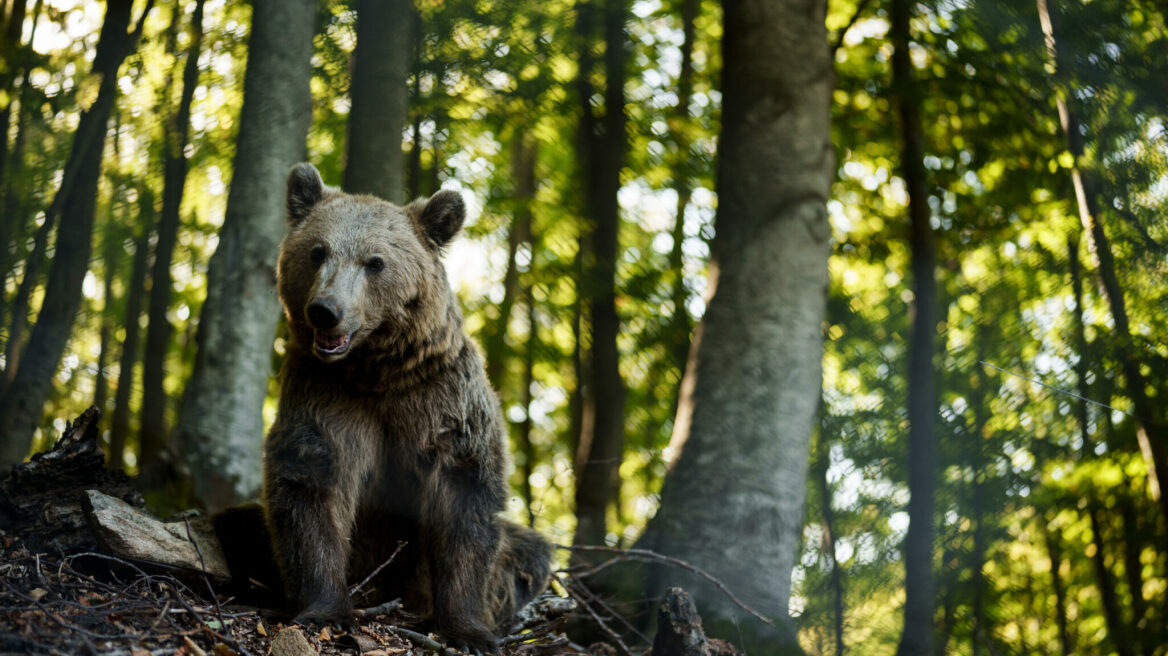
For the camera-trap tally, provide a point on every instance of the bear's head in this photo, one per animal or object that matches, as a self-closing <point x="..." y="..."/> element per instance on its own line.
<point x="356" y="266"/>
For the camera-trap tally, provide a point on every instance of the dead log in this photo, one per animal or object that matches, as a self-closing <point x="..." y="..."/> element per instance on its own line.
<point x="42" y="498"/>
<point x="679" y="629"/>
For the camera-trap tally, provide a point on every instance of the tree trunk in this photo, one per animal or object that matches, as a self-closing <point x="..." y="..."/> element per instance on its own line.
<point x="680" y="324"/>
<point x="1112" y="614"/>
<point x="526" y="447"/>
<point x="1116" y="629"/>
<point x="1054" y="550"/>
<point x="153" y="434"/>
<point x="220" y="425"/>
<point x="135" y="289"/>
<point x="1152" y="436"/>
<point x="14" y="58"/>
<point x="982" y="633"/>
<point x="749" y="397"/>
<point x="111" y="255"/>
<point x="495" y="341"/>
<point x="22" y="405"/>
<point x="819" y="466"/>
<point x="917" y="638"/>
<point x="602" y="438"/>
<point x="381" y="64"/>
<point x="1133" y="571"/>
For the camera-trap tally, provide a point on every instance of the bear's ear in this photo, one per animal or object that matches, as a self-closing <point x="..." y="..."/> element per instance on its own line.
<point x="440" y="217"/>
<point x="305" y="190"/>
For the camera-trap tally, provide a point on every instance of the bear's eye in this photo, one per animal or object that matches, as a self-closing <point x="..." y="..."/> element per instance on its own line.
<point x="375" y="265"/>
<point x="317" y="255"/>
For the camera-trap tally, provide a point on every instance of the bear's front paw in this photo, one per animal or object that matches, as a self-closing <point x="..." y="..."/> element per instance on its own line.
<point x="324" y="616"/>
<point x="471" y="637"/>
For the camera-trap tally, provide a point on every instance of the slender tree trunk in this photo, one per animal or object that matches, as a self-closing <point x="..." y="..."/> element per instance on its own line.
<point x="111" y="255"/>
<point x="750" y="392"/>
<point x="602" y="439"/>
<point x="680" y="324"/>
<point x="1112" y="614"/>
<point x="1152" y="436"/>
<point x="1054" y="550"/>
<point x="982" y="634"/>
<point x="414" y="166"/>
<point x="819" y="466"/>
<point x="381" y="64"/>
<point x="526" y="446"/>
<point x="917" y="638"/>
<point x="14" y="220"/>
<point x="220" y="425"/>
<point x="153" y="432"/>
<point x="22" y="404"/>
<point x="1116" y="629"/>
<point x="135" y="291"/>
<point x="14" y="58"/>
<point x="495" y="341"/>
<point x="1133" y="572"/>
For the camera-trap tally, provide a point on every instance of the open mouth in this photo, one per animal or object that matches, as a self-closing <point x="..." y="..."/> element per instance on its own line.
<point x="328" y="344"/>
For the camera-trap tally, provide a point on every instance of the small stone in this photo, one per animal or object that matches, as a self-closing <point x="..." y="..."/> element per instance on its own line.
<point x="291" y="642"/>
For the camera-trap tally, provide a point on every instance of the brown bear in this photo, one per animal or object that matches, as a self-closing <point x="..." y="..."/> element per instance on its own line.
<point x="387" y="427"/>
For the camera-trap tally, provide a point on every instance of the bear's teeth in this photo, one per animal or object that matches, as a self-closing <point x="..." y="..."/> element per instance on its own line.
<point x="329" y="343"/>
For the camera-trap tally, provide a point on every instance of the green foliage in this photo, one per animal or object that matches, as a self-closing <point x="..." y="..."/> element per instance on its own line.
<point x="1016" y="476"/>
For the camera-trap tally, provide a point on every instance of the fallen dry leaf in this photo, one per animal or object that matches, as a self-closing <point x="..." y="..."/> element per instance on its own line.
<point x="38" y="593"/>
<point x="261" y="630"/>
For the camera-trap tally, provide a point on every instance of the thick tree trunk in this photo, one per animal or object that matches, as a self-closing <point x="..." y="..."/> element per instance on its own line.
<point x="752" y="382"/>
<point x="220" y="425"/>
<point x="135" y="290"/>
<point x="1152" y="436"/>
<point x="495" y="341"/>
<point x="602" y="433"/>
<point x="917" y="637"/>
<point x="153" y="432"/>
<point x="381" y="64"/>
<point x="23" y="402"/>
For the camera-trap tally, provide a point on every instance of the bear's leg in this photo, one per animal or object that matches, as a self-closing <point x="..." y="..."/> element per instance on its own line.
<point x="461" y="537"/>
<point x="310" y="508"/>
<point x="521" y="572"/>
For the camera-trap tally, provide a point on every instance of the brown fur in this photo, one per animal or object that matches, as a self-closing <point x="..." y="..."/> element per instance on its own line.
<point x="399" y="437"/>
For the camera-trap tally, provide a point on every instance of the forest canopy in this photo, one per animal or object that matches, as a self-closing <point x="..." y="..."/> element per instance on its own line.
<point x="858" y="304"/>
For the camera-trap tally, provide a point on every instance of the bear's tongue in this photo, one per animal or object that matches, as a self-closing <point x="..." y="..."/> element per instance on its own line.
<point x="331" y="342"/>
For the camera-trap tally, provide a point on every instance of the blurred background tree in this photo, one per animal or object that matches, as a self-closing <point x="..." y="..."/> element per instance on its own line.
<point x="583" y="135"/>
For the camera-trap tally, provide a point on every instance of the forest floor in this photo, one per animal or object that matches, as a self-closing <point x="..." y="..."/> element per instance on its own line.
<point x="86" y="570"/>
<point x="93" y="603"/>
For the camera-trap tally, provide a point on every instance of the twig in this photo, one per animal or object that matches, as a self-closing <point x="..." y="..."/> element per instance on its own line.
<point x="381" y="609"/>
<point x="600" y="622"/>
<point x="357" y="588"/>
<point x="424" y="640"/>
<point x="1056" y="389"/>
<point x="608" y="609"/>
<point x="646" y="555"/>
<point x="214" y="597"/>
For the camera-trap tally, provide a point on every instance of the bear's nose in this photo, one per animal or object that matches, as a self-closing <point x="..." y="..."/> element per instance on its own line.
<point x="324" y="314"/>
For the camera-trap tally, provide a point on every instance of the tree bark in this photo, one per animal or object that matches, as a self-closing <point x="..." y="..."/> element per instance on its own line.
<point x="602" y="431"/>
<point x="819" y="466"/>
<point x="495" y="341"/>
<point x="135" y="290"/>
<point x="381" y="64"/>
<point x="748" y="401"/>
<point x="220" y="425"/>
<point x="680" y="324"/>
<point x="1116" y="629"/>
<point x="22" y="405"/>
<point x="526" y="446"/>
<point x="917" y="637"/>
<point x="1054" y="550"/>
<point x="1152" y="436"/>
<point x="14" y="58"/>
<point x="153" y="432"/>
